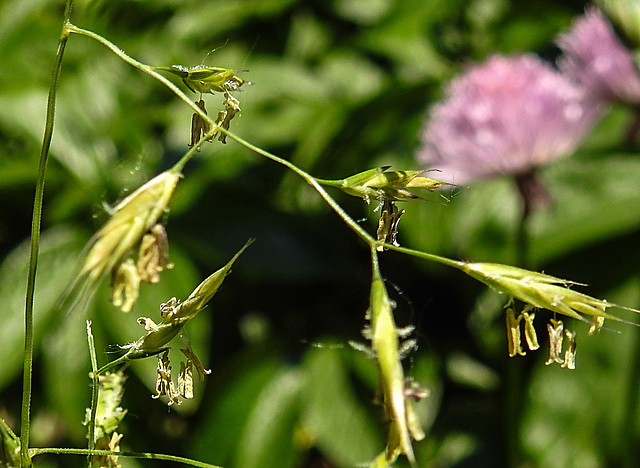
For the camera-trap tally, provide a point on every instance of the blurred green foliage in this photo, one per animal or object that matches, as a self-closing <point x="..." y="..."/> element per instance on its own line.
<point x="338" y="87"/>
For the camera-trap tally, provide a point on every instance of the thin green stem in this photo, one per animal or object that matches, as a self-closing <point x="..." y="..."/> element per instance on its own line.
<point x="36" y="226"/>
<point x="143" y="455"/>
<point x="94" y="391"/>
<point x="311" y="181"/>
<point x="314" y="182"/>
<point x="149" y="70"/>
<point x="112" y="364"/>
<point x="375" y="265"/>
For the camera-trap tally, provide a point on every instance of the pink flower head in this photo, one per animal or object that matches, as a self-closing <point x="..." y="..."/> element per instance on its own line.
<point x="595" y="57"/>
<point x="505" y="116"/>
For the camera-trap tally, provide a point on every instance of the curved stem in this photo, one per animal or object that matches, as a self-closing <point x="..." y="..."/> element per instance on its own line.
<point x="110" y="365"/>
<point x="144" y="455"/>
<point x="314" y="182"/>
<point x="149" y="70"/>
<point x="36" y="226"/>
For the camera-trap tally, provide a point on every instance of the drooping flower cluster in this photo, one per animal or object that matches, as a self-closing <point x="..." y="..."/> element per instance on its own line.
<point x="109" y="415"/>
<point x="134" y="220"/>
<point x="386" y="187"/>
<point x="200" y="128"/>
<point x="505" y="116"/>
<point x="541" y="291"/>
<point x="203" y="79"/>
<point x="596" y="58"/>
<point x="184" y="389"/>
<point x="155" y="341"/>
<point x="396" y="393"/>
<point x="555" y="330"/>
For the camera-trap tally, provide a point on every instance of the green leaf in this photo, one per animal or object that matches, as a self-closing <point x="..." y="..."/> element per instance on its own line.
<point x="117" y="328"/>
<point x="225" y="421"/>
<point x="67" y="360"/>
<point x="59" y="249"/>
<point x="269" y="436"/>
<point x="332" y="416"/>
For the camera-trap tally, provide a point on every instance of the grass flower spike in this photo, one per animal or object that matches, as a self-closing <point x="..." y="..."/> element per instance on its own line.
<point x="132" y="218"/>
<point x="544" y="292"/>
<point x="596" y="58"/>
<point x="203" y="79"/>
<point x="404" y="426"/>
<point x="505" y="116"/>
<point x="384" y="185"/>
<point x="540" y="291"/>
<point x="109" y="413"/>
<point x="175" y="315"/>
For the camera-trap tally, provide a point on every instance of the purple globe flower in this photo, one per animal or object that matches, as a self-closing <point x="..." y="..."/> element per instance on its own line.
<point x="505" y="116"/>
<point x="595" y="57"/>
